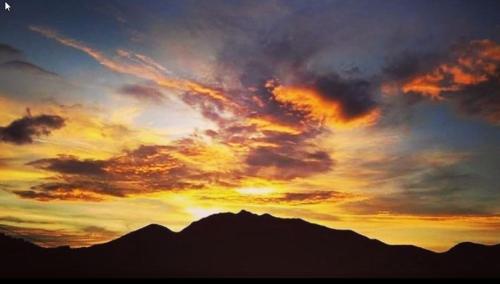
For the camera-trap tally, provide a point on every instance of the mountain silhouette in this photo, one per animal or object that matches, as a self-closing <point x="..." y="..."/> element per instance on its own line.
<point x="246" y="245"/>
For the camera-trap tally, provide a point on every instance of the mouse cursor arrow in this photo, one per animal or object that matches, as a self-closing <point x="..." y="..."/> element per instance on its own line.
<point x="7" y="6"/>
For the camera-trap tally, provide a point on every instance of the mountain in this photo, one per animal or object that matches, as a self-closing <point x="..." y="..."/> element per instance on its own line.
<point x="246" y="245"/>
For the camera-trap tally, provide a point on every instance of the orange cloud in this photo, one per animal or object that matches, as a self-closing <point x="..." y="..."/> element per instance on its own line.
<point x="270" y="124"/>
<point x="320" y="109"/>
<point x="471" y="65"/>
<point x="138" y="65"/>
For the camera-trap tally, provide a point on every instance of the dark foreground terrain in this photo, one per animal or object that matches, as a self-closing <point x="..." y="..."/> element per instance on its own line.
<point x="246" y="245"/>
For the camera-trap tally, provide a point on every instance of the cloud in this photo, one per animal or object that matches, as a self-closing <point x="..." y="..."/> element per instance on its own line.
<point x="21" y="65"/>
<point x="12" y="59"/>
<point x="332" y="100"/>
<point x="303" y="94"/>
<point x="481" y="100"/>
<point x="134" y="64"/>
<point x="23" y="130"/>
<point x="286" y="162"/>
<point x="77" y="237"/>
<point x="71" y="165"/>
<point x="146" y="169"/>
<point x="284" y="57"/>
<point x="471" y="64"/>
<point x="142" y="93"/>
<point x="424" y="184"/>
<point x="290" y="198"/>
<point x="254" y="117"/>
<point x="311" y="197"/>
<point x="76" y="189"/>
<point x="445" y="201"/>
<point x="468" y="76"/>
<point x="16" y="220"/>
<point x="272" y="149"/>
<point x="8" y="52"/>
<point x="402" y="168"/>
<point x="184" y="164"/>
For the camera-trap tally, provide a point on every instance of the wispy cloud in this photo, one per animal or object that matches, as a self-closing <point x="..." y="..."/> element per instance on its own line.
<point x="25" y="66"/>
<point x="142" y="93"/>
<point x="133" y="64"/>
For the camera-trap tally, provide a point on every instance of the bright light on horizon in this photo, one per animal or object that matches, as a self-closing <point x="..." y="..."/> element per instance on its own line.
<point x="255" y="190"/>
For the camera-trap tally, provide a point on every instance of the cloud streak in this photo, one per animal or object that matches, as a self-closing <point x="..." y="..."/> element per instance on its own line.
<point x="25" y="66"/>
<point x="133" y="64"/>
<point x="13" y="59"/>
<point x="142" y="93"/>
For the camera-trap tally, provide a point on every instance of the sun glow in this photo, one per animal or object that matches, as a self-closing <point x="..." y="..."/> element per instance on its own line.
<point x="255" y="190"/>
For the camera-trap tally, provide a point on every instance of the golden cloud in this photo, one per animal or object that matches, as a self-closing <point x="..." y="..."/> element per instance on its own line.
<point x="320" y="109"/>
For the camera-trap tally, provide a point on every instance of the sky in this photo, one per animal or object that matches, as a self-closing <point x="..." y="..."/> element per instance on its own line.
<point x="379" y="116"/>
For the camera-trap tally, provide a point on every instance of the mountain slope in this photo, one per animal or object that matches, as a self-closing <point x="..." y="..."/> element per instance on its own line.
<point x="250" y="245"/>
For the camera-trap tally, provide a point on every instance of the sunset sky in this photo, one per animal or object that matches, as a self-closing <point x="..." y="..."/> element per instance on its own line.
<point x="380" y="116"/>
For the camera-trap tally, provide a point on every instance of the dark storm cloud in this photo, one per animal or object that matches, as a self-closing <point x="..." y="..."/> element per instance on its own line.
<point x="142" y="93"/>
<point x="23" y="130"/>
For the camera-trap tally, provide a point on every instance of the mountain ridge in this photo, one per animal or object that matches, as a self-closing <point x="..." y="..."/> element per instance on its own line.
<point x="245" y="244"/>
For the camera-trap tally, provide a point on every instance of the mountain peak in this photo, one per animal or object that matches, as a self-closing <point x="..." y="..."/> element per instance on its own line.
<point x="150" y="233"/>
<point x="245" y="212"/>
<point x="155" y="228"/>
<point x="466" y="247"/>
